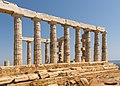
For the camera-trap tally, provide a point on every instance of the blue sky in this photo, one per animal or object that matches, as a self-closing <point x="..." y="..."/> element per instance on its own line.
<point x="103" y="12"/>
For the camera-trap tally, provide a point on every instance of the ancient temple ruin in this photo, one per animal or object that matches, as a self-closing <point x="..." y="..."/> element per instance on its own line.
<point x="36" y="17"/>
<point x="62" y="43"/>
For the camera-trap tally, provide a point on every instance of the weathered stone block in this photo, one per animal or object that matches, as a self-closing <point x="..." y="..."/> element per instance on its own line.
<point x="57" y="19"/>
<point x="82" y="25"/>
<point x="91" y="27"/>
<point x="28" y="13"/>
<point x="46" y="17"/>
<point x="33" y="76"/>
<point x="20" y="78"/>
<point x="53" y="74"/>
<point x="42" y="74"/>
<point x="5" y="80"/>
<point x="84" y="81"/>
<point x="101" y="29"/>
<point x="71" y="23"/>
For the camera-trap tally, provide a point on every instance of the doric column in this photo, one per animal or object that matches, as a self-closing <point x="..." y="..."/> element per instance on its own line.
<point x="53" y="43"/>
<point x="77" y="45"/>
<point x="66" y="44"/>
<point x="96" y="46"/>
<point x="37" y="42"/>
<point x="60" y="52"/>
<point x="46" y="52"/>
<point x="17" y="39"/>
<point x="104" y="46"/>
<point x="83" y="48"/>
<point x="87" y="47"/>
<point x="29" y="56"/>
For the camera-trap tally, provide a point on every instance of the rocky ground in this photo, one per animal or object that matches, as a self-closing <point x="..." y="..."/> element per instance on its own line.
<point x="111" y="78"/>
<point x="70" y="75"/>
<point x="104" y="79"/>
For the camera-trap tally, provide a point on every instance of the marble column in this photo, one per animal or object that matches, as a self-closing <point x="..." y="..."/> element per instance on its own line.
<point x="96" y="46"/>
<point x="53" y="43"/>
<point x="87" y="47"/>
<point x="37" y="42"/>
<point x="66" y="44"/>
<point x="77" y="45"/>
<point x="60" y="52"/>
<point x="17" y="39"/>
<point x="46" y="53"/>
<point x="29" y="55"/>
<point x="83" y="48"/>
<point x="104" y="46"/>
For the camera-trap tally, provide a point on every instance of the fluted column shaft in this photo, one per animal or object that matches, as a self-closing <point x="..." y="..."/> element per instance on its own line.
<point x="104" y="46"/>
<point x="87" y="47"/>
<point x="66" y="44"/>
<point x="46" y="53"/>
<point x="37" y="42"/>
<point x="77" y="45"/>
<point x="29" y="55"/>
<point x="17" y="40"/>
<point x="96" y="46"/>
<point x="53" y="43"/>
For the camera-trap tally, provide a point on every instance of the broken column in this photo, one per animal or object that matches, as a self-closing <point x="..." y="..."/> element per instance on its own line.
<point x="104" y="46"/>
<point x="66" y="44"/>
<point x="46" y="52"/>
<point x="37" y="42"/>
<point x="87" y="47"/>
<point x="6" y="63"/>
<point x="60" y="52"/>
<point x="53" y="43"/>
<point x="96" y="46"/>
<point x="77" y="45"/>
<point x="17" y="39"/>
<point x="29" y="56"/>
<point x="83" y="48"/>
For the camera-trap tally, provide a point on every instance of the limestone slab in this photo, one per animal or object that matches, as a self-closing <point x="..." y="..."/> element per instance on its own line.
<point x="5" y="80"/>
<point x="19" y="78"/>
<point x="101" y="29"/>
<point x="33" y="76"/>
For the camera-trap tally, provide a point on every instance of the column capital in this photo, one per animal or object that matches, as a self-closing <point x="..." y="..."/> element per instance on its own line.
<point x="86" y="30"/>
<point x="47" y="41"/>
<point x="17" y="15"/>
<point x="77" y="27"/>
<point x="52" y="22"/>
<point x="36" y="19"/>
<point x="96" y="31"/>
<point x="29" y="41"/>
<point x="105" y="32"/>
<point x="65" y="26"/>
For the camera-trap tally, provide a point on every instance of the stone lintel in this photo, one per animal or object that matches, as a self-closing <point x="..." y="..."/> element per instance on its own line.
<point x="45" y="40"/>
<point x="71" y="23"/>
<point x="32" y="39"/>
<point x="27" y="39"/>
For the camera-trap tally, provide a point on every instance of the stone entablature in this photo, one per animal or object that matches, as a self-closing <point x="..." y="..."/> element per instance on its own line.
<point x="10" y="8"/>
